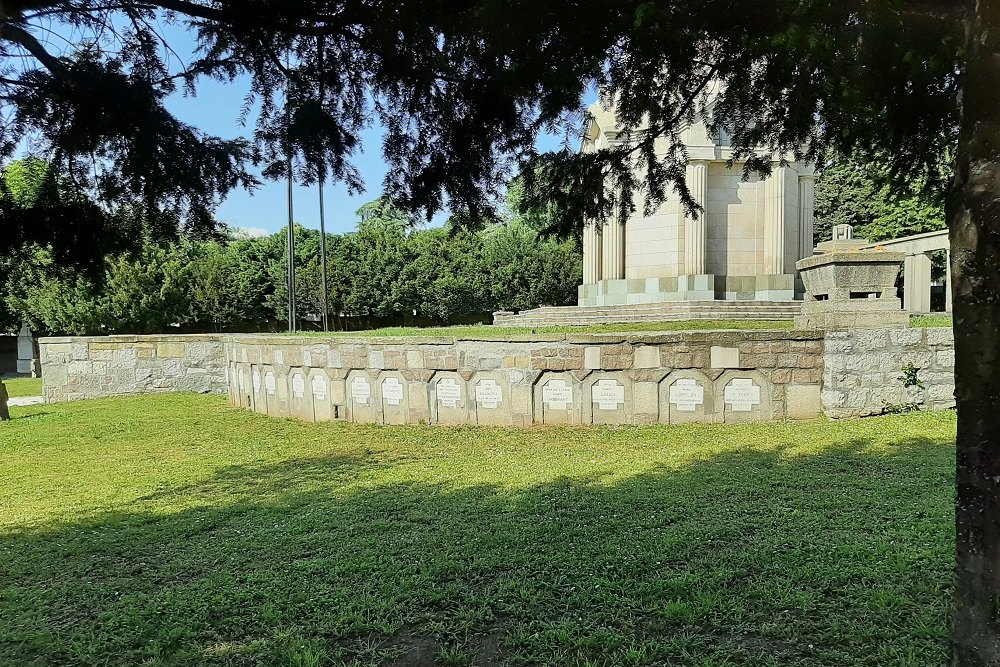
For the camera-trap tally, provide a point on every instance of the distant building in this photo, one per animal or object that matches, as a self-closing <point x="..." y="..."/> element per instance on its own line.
<point x="742" y="247"/>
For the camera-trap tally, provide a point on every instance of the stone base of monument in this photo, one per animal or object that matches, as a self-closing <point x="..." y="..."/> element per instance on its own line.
<point x="653" y="312"/>
<point x="687" y="288"/>
<point x="852" y="289"/>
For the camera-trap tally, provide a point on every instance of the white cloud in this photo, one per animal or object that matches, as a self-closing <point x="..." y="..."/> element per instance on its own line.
<point x="250" y="232"/>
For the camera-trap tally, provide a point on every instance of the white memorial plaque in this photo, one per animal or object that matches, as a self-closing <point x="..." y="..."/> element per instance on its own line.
<point x="557" y="395"/>
<point x="298" y="386"/>
<point x="256" y="382"/>
<point x="307" y="358"/>
<point x="449" y="392"/>
<point x="361" y="390"/>
<point x="269" y="384"/>
<point x="319" y="387"/>
<point x="608" y="394"/>
<point x="488" y="394"/>
<point x="392" y="391"/>
<point x="687" y="395"/>
<point x="742" y="394"/>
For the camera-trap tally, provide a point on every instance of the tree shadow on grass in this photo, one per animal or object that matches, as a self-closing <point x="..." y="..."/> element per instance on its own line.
<point x="747" y="558"/>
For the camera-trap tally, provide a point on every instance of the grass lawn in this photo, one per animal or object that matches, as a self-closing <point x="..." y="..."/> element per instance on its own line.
<point x="19" y="387"/>
<point x="476" y="330"/>
<point x="931" y="321"/>
<point x="175" y="530"/>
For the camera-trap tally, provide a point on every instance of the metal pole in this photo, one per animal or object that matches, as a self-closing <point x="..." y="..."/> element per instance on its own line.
<point x="291" y="223"/>
<point x="322" y="259"/>
<point x="321" y="172"/>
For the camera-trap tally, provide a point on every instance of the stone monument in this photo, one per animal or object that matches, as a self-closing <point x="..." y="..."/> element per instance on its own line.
<point x="27" y="356"/>
<point x="743" y="245"/>
<point x="848" y="287"/>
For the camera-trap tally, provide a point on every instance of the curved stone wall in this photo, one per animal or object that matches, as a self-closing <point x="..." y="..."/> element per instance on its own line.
<point x="679" y="377"/>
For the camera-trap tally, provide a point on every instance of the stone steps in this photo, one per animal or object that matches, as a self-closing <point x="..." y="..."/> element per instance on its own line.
<point x="654" y="312"/>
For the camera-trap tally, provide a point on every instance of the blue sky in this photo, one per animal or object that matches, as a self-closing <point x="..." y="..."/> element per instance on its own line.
<point x="216" y="110"/>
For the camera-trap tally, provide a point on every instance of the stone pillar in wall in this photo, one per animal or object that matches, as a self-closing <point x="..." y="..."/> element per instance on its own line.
<point x="917" y="283"/>
<point x="591" y="253"/>
<point x="774" y="222"/>
<point x="27" y="358"/>
<point x="613" y="251"/>
<point x="694" y="230"/>
<point x="807" y="198"/>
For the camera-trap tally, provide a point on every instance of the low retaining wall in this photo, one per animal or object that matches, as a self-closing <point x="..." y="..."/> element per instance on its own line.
<point x="641" y="378"/>
<point x="863" y="371"/>
<point x="720" y="376"/>
<point x="100" y="366"/>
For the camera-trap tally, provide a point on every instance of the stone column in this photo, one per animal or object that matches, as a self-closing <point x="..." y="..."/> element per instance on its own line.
<point x="947" y="284"/>
<point x="807" y="197"/>
<point x="917" y="283"/>
<point x="774" y="222"/>
<point x="591" y="253"/>
<point x="613" y="251"/>
<point x="695" y="250"/>
<point x="27" y="360"/>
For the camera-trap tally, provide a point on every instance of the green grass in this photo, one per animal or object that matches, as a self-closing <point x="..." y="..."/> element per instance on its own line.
<point x="175" y="530"/>
<point x="19" y="387"/>
<point x="479" y="330"/>
<point x="924" y="321"/>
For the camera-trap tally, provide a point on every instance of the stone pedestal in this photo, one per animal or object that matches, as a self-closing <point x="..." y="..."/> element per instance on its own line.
<point x="27" y="357"/>
<point x="851" y="289"/>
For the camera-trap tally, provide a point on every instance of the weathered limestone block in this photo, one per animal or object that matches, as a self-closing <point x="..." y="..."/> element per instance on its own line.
<point x="449" y="398"/>
<point x="744" y="396"/>
<point x="803" y="401"/>
<point x="300" y="401"/>
<point x="394" y="397"/>
<point x="491" y="400"/>
<point x="320" y="391"/>
<point x="608" y="399"/>
<point x="362" y="402"/>
<point x="557" y="399"/>
<point x="687" y="396"/>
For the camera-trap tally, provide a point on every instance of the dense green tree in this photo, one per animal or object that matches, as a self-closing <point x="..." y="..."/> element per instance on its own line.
<point x="464" y="87"/>
<point x="857" y="192"/>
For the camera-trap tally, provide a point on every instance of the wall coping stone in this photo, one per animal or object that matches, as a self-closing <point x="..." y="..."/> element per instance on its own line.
<point x="634" y="338"/>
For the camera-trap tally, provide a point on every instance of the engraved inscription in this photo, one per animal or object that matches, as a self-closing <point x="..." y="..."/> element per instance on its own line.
<point x="319" y="387"/>
<point x="557" y="395"/>
<point x="608" y="394"/>
<point x="392" y="391"/>
<point x="488" y="394"/>
<point x="361" y="390"/>
<point x="449" y="392"/>
<point x="687" y="395"/>
<point x="742" y="394"/>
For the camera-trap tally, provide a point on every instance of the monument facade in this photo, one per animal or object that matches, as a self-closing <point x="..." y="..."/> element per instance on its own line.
<point x="742" y="246"/>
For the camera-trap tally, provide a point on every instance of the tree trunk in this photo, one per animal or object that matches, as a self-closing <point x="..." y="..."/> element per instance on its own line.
<point x="4" y="412"/>
<point x="974" y="218"/>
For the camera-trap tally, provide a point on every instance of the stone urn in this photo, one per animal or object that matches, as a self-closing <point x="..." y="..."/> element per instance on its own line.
<point x="851" y="289"/>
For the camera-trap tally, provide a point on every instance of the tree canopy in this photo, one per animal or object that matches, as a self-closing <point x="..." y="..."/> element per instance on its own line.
<point x="464" y="86"/>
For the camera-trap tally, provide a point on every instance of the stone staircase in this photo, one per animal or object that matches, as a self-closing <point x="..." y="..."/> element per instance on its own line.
<point x="652" y="312"/>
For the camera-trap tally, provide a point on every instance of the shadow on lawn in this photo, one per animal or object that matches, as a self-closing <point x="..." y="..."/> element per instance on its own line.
<point x="748" y="558"/>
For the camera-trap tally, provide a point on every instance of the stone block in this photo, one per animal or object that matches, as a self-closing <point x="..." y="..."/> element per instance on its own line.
<point x="725" y="357"/>
<point x="170" y="350"/>
<point x="557" y="399"/>
<point x="592" y="358"/>
<point x="608" y="399"/>
<point x="687" y="396"/>
<point x="803" y="401"/>
<point x="905" y="337"/>
<point x="490" y="399"/>
<point x="449" y="398"/>
<point x="940" y="336"/>
<point x="744" y="396"/>
<point x="646" y="356"/>
<point x="945" y="358"/>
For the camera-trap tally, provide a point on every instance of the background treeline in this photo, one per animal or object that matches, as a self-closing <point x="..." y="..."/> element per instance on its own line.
<point x="387" y="272"/>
